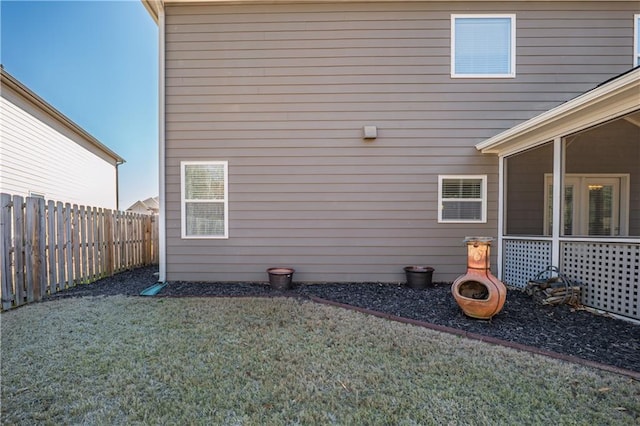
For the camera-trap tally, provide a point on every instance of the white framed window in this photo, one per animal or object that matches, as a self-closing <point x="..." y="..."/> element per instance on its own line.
<point x="483" y="46"/>
<point x="462" y="199"/>
<point x="636" y="40"/>
<point x="204" y="195"/>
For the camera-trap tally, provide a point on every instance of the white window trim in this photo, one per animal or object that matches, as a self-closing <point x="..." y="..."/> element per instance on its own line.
<point x="636" y="42"/>
<point x="482" y="199"/>
<point x="183" y="213"/>
<point x="511" y="73"/>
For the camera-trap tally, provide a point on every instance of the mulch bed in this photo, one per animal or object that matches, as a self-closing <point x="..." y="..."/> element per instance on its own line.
<point x="559" y="329"/>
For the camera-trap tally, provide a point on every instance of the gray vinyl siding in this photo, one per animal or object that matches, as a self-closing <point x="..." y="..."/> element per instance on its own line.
<point x="282" y="93"/>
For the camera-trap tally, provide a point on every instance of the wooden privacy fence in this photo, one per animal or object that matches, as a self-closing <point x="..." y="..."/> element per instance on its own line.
<point x="48" y="246"/>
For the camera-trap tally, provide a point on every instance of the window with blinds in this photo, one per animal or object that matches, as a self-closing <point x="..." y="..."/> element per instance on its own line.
<point x="462" y="199"/>
<point x="204" y="199"/>
<point x="483" y="45"/>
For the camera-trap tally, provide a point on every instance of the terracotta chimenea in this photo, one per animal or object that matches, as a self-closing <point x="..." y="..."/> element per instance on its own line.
<point x="479" y="293"/>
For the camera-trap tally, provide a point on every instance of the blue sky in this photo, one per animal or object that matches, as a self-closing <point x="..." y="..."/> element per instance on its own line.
<point x="97" y="63"/>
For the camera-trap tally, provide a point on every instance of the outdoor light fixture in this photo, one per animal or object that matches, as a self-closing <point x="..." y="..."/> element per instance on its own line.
<point x="370" y="132"/>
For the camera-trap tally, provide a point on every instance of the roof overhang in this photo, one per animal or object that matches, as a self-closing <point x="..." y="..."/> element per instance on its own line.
<point x="613" y="99"/>
<point x="155" y="6"/>
<point x="9" y="81"/>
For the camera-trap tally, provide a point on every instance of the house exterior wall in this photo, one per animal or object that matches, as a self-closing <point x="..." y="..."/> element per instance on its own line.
<point x="282" y="92"/>
<point x="40" y="155"/>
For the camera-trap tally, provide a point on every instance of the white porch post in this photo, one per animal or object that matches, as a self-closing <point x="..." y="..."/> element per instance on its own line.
<point x="501" y="184"/>
<point x="558" y="193"/>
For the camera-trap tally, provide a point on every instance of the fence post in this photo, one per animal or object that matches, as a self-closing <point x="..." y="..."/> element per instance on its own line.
<point x="60" y="245"/>
<point x="5" y="247"/>
<point x="97" y="241"/>
<point x="99" y="248"/>
<point x="110" y="247"/>
<point x="18" y="251"/>
<point x="73" y="253"/>
<point x="42" y="246"/>
<point x="146" y="260"/>
<point x="84" y="265"/>
<point x="156" y="239"/>
<point x="90" y="242"/>
<point x="52" y="246"/>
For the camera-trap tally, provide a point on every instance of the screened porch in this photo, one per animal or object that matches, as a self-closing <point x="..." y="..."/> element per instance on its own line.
<point x="570" y="196"/>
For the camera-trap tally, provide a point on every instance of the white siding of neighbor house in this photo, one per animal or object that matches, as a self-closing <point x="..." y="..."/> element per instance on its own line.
<point x="282" y="92"/>
<point x="40" y="155"/>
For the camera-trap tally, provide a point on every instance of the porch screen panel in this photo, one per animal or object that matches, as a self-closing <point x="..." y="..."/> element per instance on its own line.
<point x="527" y="195"/>
<point x="601" y="164"/>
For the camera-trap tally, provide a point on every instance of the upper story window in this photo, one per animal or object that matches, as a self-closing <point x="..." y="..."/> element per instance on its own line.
<point x="462" y="199"/>
<point x="636" y="40"/>
<point x="483" y="46"/>
<point x="204" y="187"/>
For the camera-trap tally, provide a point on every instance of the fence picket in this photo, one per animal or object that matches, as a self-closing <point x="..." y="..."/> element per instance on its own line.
<point x="96" y="243"/>
<point x="32" y="225"/>
<point x="51" y="246"/>
<point x="83" y="246"/>
<point x="75" y="241"/>
<point x="18" y="251"/>
<point x="73" y="244"/>
<point x="60" y="244"/>
<point x="90" y="242"/>
<point x="5" y="257"/>
<point x="43" y="280"/>
<point x="109" y="245"/>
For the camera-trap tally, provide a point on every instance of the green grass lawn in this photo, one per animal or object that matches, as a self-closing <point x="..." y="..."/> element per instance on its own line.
<point x="120" y="360"/>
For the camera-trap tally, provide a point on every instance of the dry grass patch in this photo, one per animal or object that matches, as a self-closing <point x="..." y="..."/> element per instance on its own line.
<point x="120" y="360"/>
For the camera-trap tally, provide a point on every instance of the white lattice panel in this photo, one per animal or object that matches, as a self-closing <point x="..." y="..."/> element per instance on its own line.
<point x="523" y="260"/>
<point x="608" y="273"/>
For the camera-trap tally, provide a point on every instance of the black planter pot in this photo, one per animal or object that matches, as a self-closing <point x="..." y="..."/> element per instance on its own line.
<point x="419" y="276"/>
<point x="280" y="278"/>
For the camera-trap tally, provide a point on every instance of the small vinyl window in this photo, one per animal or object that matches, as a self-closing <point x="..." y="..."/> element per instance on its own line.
<point x="36" y="194"/>
<point x="462" y="199"/>
<point x="204" y="187"/>
<point x="483" y="46"/>
<point x="636" y="40"/>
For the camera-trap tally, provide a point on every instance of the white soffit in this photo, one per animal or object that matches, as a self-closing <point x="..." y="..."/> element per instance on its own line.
<point x="608" y="101"/>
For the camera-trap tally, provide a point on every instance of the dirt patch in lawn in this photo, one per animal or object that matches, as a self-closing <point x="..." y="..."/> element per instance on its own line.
<point x="559" y="329"/>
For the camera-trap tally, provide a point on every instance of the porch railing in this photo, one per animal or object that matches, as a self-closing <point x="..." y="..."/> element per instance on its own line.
<point x="609" y="272"/>
<point x="524" y="259"/>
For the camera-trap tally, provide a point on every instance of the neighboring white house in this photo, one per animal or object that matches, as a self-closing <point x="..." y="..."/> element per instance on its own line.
<point x="43" y="153"/>
<point x="149" y="206"/>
